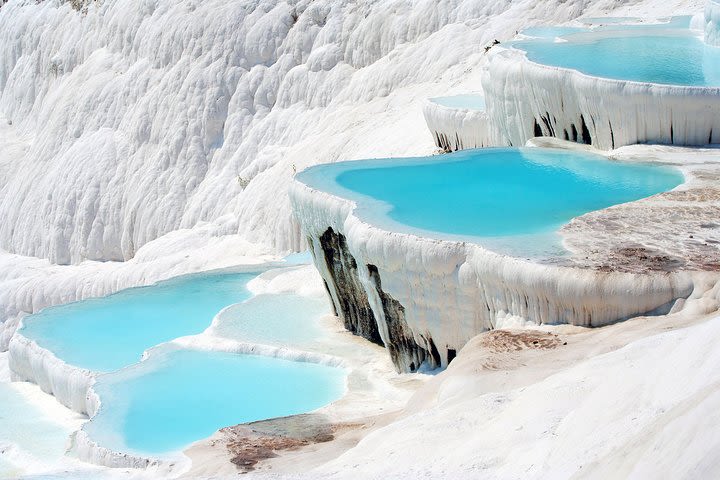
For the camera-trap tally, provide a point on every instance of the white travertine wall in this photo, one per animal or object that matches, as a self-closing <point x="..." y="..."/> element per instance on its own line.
<point x="457" y="128"/>
<point x="68" y="384"/>
<point x="526" y="100"/>
<point x="712" y="23"/>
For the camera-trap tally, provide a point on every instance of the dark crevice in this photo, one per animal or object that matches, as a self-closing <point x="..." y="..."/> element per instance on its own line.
<point x="612" y="136"/>
<point x="672" y="135"/>
<point x="434" y="352"/>
<point x="566" y="137"/>
<point x="574" y="132"/>
<point x="400" y="342"/>
<point x="451" y="354"/>
<point x="537" y="131"/>
<point x="353" y="305"/>
<point x="548" y="126"/>
<point x="586" y="138"/>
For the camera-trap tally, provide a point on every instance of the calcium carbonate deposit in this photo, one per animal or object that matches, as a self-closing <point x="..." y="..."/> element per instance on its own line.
<point x="142" y="140"/>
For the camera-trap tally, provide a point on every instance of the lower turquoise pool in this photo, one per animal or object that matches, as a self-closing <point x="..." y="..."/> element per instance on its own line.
<point x="109" y="333"/>
<point x="179" y="396"/>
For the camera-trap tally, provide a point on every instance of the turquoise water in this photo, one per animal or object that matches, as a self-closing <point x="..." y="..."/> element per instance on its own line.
<point x="468" y="101"/>
<point x="480" y="194"/>
<point x="26" y="432"/>
<point x="282" y="319"/>
<point x="300" y="258"/>
<point x="664" y="54"/>
<point x="550" y="31"/>
<point x="608" y="20"/>
<point x="108" y="333"/>
<point x="181" y="396"/>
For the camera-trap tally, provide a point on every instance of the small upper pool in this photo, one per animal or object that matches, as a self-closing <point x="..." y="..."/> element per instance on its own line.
<point x="465" y="101"/>
<point x="109" y="333"/>
<point x="668" y="53"/>
<point x="505" y="198"/>
<point x="178" y="396"/>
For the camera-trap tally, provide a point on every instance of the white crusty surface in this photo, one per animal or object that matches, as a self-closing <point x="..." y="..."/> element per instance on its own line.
<point x="523" y="96"/>
<point x="457" y="128"/>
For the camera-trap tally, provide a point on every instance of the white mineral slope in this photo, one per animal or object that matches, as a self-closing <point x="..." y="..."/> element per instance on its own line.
<point x="145" y="117"/>
<point x="648" y="410"/>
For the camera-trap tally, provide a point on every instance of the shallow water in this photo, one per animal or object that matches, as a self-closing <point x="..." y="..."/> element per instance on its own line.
<point x="657" y="53"/>
<point x="27" y="436"/>
<point x="108" y="333"/>
<point x="488" y="193"/>
<point x="466" y="101"/>
<point x="179" y="396"/>
<point x="547" y="31"/>
<point x="283" y="319"/>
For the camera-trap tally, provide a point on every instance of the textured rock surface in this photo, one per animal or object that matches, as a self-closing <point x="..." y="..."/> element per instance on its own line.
<point x="348" y="296"/>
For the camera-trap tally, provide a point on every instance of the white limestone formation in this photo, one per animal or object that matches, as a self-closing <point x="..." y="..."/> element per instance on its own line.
<point x="712" y="23"/>
<point x="457" y="128"/>
<point x="67" y="383"/>
<point x="526" y="100"/>
<point x="426" y="298"/>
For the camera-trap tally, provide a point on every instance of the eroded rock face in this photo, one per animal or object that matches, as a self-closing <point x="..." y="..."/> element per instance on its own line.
<point x="406" y="354"/>
<point x="350" y="299"/>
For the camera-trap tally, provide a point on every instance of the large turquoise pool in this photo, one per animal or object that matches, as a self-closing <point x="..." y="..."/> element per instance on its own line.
<point x="179" y="396"/>
<point x="668" y="53"/>
<point x="108" y="333"/>
<point x="487" y="194"/>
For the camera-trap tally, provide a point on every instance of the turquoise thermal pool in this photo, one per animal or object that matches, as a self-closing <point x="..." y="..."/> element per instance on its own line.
<point x="177" y="396"/>
<point x="108" y="333"/>
<point x="505" y="198"/>
<point x="465" y="101"/>
<point x="668" y="53"/>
